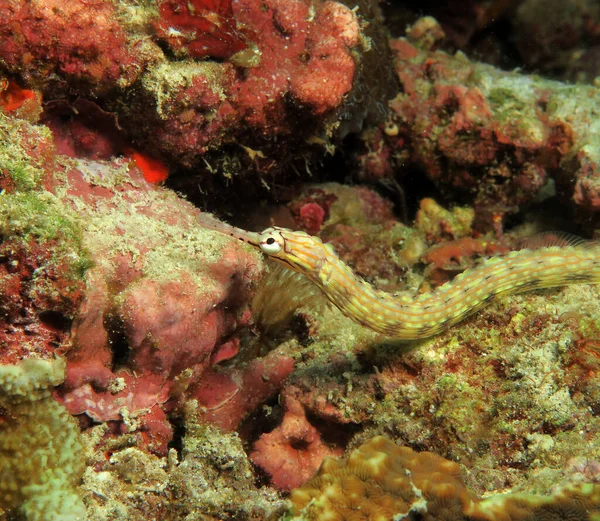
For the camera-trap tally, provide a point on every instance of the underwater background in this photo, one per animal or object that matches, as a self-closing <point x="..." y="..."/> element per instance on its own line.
<point x="435" y="357"/>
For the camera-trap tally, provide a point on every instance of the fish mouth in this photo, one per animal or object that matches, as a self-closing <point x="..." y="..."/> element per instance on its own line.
<point x="211" y="223"/>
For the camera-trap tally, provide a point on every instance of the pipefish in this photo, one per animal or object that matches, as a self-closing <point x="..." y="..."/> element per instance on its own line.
<point x="406" y="318"/>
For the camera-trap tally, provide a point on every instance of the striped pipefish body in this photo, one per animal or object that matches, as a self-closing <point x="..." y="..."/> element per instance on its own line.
<point x="406" y="318"/>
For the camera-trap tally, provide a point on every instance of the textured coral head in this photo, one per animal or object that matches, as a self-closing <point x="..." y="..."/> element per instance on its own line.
<point x="295" y="249"/>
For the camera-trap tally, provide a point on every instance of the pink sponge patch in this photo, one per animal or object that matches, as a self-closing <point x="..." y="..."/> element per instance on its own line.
<point x="292" y="452"/>
<point x="311" y="217"/>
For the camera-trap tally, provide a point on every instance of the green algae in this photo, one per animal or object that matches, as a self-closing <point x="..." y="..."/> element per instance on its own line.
<point x="16" y="137"/>
<point x="28" y="213"/>
<point x="168" y="78"/>
<point x="37" y="215"/>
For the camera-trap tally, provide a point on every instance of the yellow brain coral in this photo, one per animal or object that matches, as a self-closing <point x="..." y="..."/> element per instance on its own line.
<point x="40" y="451"/>
<point x="381" y="481"/>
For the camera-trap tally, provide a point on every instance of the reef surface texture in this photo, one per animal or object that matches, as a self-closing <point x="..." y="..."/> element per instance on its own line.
<point x="151" y="368"/>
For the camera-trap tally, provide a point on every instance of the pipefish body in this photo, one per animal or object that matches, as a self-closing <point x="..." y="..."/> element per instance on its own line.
<point x="405" y="318"/>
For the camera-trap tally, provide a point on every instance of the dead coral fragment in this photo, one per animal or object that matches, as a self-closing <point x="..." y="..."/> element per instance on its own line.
<point x="383" y="481"/>
<point x="40" y="450"/>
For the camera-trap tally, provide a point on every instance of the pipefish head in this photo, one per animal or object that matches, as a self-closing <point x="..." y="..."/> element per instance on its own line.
<point x="297" y="250"/>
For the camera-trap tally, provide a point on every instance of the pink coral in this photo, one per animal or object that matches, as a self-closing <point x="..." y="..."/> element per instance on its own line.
<point x="197" y="116"/>
<point x="457" y="134"/>
<point x="297" y="63"/>
<point x="312" y="215"/>
<point x="292" y="452"/>
<point x="287" y="68"/>
<point x="329" y="70"/>
<point x="37" y="298"/>
<point x="142" y="324"/>
<point x="164" y="338"/>
<point x="81" y="41"/>
<point x="227" y="396"/>
<point x="306" y="56"/>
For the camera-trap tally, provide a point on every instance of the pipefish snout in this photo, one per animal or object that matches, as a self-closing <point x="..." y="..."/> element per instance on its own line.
<point x="550" y="264"/>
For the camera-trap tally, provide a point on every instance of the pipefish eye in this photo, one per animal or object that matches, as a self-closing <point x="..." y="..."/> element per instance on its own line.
<point x="270" y="245"/>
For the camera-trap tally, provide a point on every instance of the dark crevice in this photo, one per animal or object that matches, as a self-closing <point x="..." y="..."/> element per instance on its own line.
<point x="117" y="340"/>
<point x="55" y="320"/>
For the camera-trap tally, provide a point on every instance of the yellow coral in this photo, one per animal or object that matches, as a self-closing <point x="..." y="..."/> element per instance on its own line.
<point x="40" y="451"/>
<point x="381" y="481"/>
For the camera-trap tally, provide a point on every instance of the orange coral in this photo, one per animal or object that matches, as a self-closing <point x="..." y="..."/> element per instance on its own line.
<point x="153" y="170"/>
<point x="24" y="103"/>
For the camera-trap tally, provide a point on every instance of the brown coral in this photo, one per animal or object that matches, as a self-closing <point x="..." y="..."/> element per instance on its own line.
<point x="382" y="481"/>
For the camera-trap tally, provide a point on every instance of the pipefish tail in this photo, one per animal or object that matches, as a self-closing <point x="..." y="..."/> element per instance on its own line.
<point x="405" y="318"/>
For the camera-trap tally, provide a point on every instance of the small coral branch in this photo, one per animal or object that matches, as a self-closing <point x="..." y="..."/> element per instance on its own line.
<point x="40" y="449"/>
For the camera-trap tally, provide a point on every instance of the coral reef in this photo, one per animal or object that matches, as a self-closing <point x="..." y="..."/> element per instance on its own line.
<point x="361" y="226"/>
<point x="212" y="478"/>
<point x="382" y="480"/>
<point x="169" y="298"/>
<point x="200" y="29"/>
<point x="565" y="42"/>
<point x="81" y="42"/>
<point x="492" y="136"/>
<point x="109" y="270"/>
<point x="227" y="396"/>
<point x="295" y="62"/>
<point x="508" y="393"/>
<point x="186" y="378"/>
<point x="285" y="68"/>
<point x="42" y="260"/>
<point x="40" y="445"/>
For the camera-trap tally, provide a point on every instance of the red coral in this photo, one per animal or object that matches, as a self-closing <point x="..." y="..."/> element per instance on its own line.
<point x="376" y="162"/>
<point x="153" y="170"/>
<point x="226" y="397"/>
<point x="137" y="334"/>
<point x="292" y="452"/>
<point x="12" y="97"/>
<point x="329" y="71"/>
<point x="197" y="116"/>
<point x="163" y="339"/>
<point x="312" y="209"/>
<point x="456" y="134"/>
<point x="449" y="258"/>
<point x="290" y="81"/>
<point x="204" y="28"/>
<point x="38" y="297"/>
